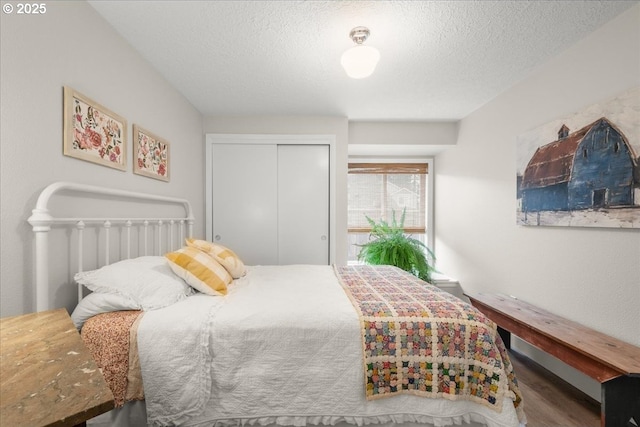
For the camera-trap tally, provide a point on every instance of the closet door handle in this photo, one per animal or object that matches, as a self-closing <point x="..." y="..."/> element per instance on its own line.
<point x="217" y="237"/>
<point x="323" y="237"/>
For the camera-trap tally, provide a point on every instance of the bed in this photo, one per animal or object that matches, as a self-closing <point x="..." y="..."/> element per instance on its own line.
<point x="276" y="345"/>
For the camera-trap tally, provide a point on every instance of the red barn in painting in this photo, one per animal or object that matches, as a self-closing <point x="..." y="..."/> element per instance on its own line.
<point x="591" y="168"/>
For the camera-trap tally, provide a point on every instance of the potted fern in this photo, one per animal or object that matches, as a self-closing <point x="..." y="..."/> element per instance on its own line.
<point x="391" y="246"/>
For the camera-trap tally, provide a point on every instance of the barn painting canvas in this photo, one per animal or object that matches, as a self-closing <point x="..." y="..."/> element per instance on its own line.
<point x="583" y="170"/>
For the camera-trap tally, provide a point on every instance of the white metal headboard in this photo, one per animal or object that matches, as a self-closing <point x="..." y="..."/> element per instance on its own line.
<point x="41" y="220"/>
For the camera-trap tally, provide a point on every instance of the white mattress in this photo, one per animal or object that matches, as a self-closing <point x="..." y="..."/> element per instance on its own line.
<point x="283" y="347"/>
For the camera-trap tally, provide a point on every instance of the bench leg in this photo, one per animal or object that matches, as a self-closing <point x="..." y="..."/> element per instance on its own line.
<point x="620" y="402"/>
<point x="506" y="337"/>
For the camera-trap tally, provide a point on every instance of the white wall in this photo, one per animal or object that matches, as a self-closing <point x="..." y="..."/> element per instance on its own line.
<point x="298" y="125"/>
<point x="72" y="45"/>
<point x="401" y="139"/>
<point x="589" y="275"/>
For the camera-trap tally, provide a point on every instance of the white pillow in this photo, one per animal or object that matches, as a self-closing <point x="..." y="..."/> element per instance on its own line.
<point x="98" y="303"/>
<point x="147" y="280"/>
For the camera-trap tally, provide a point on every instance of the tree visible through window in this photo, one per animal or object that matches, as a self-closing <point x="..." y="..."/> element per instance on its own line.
<point x="377" y="190"/>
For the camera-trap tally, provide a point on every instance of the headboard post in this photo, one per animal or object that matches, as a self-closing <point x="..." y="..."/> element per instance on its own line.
<point x="41" y="221"/>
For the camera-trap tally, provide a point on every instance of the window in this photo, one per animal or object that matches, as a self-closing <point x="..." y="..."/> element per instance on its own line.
<point x="378" y="190"/>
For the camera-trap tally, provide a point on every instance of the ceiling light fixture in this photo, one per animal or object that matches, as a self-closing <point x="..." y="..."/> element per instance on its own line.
<point x="360" y="61"/>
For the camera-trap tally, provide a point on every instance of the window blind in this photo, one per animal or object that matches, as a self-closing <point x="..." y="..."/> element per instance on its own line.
<point x="377" y="190"/>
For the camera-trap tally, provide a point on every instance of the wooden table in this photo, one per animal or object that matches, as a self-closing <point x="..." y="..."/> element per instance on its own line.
<point x="47" y="375"/>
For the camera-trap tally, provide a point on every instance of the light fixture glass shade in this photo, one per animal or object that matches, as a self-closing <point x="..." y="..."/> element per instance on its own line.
<point x="360" y="61"/>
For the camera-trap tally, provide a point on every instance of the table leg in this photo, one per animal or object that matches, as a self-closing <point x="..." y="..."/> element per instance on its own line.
<point x="620" y="405"/>
<point x="506" y="337"/>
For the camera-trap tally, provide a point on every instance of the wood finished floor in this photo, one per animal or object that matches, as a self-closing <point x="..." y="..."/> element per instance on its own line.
<point x="551" y="402"/>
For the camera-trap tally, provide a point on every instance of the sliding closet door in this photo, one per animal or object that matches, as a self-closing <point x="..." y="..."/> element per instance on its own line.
<point x="269" y="197"/>
<point x="303" y="204"/>
<point x="245" y="201"/>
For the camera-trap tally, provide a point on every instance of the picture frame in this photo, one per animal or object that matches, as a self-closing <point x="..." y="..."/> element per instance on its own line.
<point x="582" y="169"/>
<point x="93" y="133"/>
<point x="150" y="154"/>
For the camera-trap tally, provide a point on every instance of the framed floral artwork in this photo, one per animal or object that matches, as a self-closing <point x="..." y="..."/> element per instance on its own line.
<point x="92" y="132"/>
<point x="151" y="154"/>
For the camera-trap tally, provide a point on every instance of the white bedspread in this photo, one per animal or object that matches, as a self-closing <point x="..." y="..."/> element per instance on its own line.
<point x="282" y="347"/>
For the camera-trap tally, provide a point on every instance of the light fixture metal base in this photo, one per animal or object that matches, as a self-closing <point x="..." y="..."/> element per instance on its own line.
<point x="359" y="34"/>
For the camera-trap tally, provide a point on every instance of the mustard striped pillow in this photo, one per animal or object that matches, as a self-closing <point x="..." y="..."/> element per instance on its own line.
<point x="199" y="270"/>
<point x="224" y="256"/>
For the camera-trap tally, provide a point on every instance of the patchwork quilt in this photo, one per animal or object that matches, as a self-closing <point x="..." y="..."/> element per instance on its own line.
<point x="420" y="340"/>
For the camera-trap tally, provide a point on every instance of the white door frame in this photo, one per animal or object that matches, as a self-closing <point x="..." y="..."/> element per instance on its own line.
<point x="290" y="139"/>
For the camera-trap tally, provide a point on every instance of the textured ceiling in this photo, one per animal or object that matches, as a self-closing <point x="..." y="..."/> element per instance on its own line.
<point x="440" y="60"/>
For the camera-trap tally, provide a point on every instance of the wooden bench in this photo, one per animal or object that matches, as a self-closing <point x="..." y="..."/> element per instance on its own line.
<point x="613" y="363"/>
